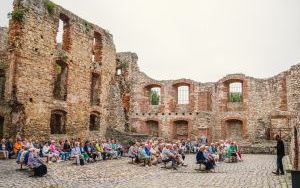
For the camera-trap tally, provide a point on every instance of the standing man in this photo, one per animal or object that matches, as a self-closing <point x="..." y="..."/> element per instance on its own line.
<point x="280" y="155"/>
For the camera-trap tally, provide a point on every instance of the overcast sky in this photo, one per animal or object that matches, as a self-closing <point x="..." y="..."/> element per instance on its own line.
<point x="198" y="39"/>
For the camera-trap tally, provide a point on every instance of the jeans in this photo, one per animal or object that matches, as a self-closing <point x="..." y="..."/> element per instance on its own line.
<point x="279" y="164"/>
<point x="64" y="155"/>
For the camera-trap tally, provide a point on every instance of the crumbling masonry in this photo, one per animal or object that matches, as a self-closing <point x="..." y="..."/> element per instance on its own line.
<point x="79" y="86"/>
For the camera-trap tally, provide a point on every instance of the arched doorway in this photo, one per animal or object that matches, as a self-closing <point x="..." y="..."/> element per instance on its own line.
<point x="181" y="129"/>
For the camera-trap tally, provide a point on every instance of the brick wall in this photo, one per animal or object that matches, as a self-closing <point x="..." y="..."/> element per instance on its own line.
<point x="264" y="106"/>
<point x="32" y="71"/>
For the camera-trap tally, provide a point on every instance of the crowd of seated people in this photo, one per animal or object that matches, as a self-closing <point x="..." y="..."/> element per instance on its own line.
<point x="148" y="153"/>
<point x="210" y="154"/>
<point x="30" y="154"/>
<point x="151" y="152"/>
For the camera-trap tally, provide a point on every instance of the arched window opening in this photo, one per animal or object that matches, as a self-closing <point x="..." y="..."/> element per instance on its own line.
<point x="94" y="122"/>
<point x="155" y="96"/>
<point x="236" y="92"/>
<point x="60" y="84"/>
<point x="183" y="95"/>
<point x="95" y="89"/>
<point x="63" y="40"/>
<point x="58" y="122"/>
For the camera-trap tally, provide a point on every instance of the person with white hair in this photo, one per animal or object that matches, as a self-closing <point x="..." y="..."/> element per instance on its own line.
<point x="36" y="163"/>
<point x="168" y="156"/>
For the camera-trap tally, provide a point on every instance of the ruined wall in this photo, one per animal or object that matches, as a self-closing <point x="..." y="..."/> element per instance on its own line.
<point x="3" y="39"/>
<point x="293" y="83"/>
<point x="263" y="112"/>
<point x="33" y="57"/>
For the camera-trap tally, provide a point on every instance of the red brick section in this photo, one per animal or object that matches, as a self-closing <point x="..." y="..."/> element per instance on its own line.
<point x="283" y="94"/>
<point x="205" y="101"/>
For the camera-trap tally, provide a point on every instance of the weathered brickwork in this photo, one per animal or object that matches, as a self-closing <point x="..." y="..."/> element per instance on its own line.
<point x="34" y="68"/>
<point x="267" y="107"/>
<point x="80" y="87"/>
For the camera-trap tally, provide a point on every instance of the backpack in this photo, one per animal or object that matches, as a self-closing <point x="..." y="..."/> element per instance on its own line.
<point x="81" y="161"/>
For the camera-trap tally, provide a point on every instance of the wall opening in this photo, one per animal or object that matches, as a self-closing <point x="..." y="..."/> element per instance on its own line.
<point x="95" y="88"/>
<point x="181" y="130"/>
<point x="153" y="128"/>
<point x="97" y="47"/>
<point x="58" y="122"/>
<point x="183" y="95"/>
<point x="63" y="40"/>
<point x="94" y="122"/>
<point x="154" y="97"/>
<point x="119" y="71"/>
<point x="234" y="129"/>
<point x="2" y="85"/>
<point x="236" y="92"/>
<point x="60" y="84"/>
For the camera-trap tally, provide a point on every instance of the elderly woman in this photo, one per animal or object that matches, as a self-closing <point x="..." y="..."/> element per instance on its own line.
<point x="201" y="158"/>
<point x="36" y="163"/>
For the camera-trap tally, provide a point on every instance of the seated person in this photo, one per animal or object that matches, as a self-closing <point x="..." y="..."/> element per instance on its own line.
<point x="238" y="152"/>
<point x="88" y="150"/>
<point x="46" y="152"/>
<point x="208" y="156"/>
<point x="76" y="153"/>
<point x="144" y="155"/>
<point x="232" y="152"/>
<point x="66" y="148"/>
<point x="201" y="159"/>
<point x="168" y="156"/>
<point x="3" y="148"/>
<point x="22" y="157"/>
<point x="54" y="151"/>
<point x="36" y="163"/>
<point x="109" y="151"/>
<point x="9" y="147"/>
<point x="120" y="149"/>
<point x="17" y="146"/>
<point x="133" y="152"/>
<point x="178" y="157"/>
<point x="100" y="150"/>
<point x="213" y="152"/>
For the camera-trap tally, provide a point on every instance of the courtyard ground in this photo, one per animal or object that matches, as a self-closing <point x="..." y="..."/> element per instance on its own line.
<point x="254" y="171"/>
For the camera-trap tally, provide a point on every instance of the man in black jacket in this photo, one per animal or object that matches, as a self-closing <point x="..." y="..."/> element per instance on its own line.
<point x="280" y="155"/>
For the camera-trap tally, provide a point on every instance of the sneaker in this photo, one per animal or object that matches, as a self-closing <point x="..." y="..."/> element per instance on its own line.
<point x="282" y="173"/>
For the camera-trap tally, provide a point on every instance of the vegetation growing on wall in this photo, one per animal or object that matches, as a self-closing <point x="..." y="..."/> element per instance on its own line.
<point x="235" y="97"/>
<point x="50" y="6"/>
<point x="17" y="15"/>
<point x="154" y="98"/>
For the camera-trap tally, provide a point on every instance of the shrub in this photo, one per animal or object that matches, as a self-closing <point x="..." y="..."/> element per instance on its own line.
<point x="50" y="6"/>
<point x="235" y="97"/>
<point x="17" y="15"/>
<point x="154" y="98"/>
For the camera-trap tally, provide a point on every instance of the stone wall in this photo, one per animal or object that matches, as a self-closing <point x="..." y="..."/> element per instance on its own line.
<point x="84" y="86"/>
<point x="3" y="39"/>
<point x="263" y="112"/>
<point x="33" y="71"/>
